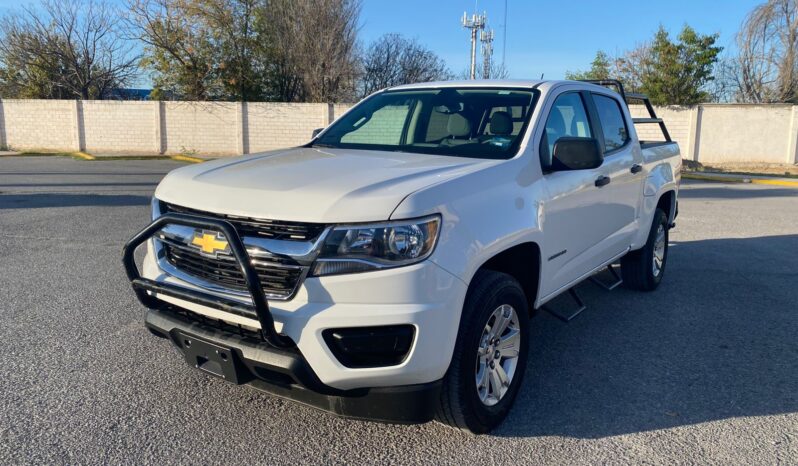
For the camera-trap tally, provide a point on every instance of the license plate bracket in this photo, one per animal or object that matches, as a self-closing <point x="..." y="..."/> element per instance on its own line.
<point x="216" y="360"/>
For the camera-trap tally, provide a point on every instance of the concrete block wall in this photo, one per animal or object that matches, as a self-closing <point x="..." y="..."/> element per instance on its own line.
<point x="275" y="125"/>
<point x="113" y="126"/>
<point x="38" y="124"/>
<point x="743" y="133"/>
<point x="201" y="127"/>
<point x="706" y="133"/>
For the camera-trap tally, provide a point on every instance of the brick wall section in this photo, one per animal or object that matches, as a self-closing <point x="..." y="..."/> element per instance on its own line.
<point x="39" y="124"/>
<point x="277" y="125"/>
<point x="707" y="133"/>
<point x="203" y="127"/>
<point x="112" y="126"/>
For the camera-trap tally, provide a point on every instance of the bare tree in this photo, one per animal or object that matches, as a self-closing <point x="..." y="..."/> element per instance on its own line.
<point x="766" y="69"/>
<point x="497" y="71"/>
<point x="313" y="45"/>
<point x="65" y="49"/>
<point x="392" y="60"/>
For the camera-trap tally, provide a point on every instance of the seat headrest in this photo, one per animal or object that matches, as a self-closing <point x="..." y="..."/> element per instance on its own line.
<point x="458" y="126"/>
<point x="501" y="123"/>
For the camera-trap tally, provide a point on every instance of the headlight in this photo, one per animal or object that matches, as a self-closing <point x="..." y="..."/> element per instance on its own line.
<point x="360" y="248"/>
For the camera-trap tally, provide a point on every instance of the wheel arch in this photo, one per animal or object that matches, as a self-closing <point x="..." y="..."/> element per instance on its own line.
<point x="667" y="202"/>
<point x="522" y="262"/>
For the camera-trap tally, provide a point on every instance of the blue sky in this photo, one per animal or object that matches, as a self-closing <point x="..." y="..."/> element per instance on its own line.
<point x="543" y="36"/>
<point x="551" y="37"/>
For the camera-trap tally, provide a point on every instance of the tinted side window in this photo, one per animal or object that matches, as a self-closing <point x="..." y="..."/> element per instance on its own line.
<point x="567" y="118"/>
<point x="612" y="122"/>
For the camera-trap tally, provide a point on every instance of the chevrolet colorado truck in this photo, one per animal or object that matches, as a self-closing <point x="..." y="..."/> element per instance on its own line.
<point x="388" y="269"/>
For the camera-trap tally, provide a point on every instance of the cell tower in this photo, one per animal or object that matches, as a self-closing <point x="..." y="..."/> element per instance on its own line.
<point x="487" y="51"/>
<point x="477" y="24"/>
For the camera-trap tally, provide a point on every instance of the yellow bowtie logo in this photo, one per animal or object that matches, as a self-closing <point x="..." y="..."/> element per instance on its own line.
<point x="209" y="243"/>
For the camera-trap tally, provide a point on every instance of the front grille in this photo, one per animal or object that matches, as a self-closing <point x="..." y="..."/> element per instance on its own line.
<point x="259" y="228"/>
<point x="279" y="277"/>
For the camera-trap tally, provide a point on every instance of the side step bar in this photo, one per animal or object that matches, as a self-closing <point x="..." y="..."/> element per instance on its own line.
<point x="580" y="305"/>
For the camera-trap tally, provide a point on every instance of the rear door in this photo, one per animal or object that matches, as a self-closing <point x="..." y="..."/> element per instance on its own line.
<point x="623" y="162"/>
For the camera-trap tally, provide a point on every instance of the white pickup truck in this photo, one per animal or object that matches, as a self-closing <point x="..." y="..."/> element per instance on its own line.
<point x="389" y="268"/>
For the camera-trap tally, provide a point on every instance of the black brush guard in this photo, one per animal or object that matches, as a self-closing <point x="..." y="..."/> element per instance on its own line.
<point x="259" y="309"/>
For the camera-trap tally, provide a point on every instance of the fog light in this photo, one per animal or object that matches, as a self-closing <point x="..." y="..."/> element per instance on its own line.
<point x="359" y="347"/>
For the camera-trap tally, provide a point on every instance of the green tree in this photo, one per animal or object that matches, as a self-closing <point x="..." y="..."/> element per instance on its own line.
<point x="677" y="73"/>
<point x="600" y="68"/>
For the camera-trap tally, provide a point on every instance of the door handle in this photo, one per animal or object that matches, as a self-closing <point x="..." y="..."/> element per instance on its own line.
<point x="636" y="168"/>
<point x="602" y="181"/>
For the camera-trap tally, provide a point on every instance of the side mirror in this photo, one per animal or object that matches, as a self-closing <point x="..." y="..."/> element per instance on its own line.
<point x="316" y="132"/>
<point x="576" y="154"/>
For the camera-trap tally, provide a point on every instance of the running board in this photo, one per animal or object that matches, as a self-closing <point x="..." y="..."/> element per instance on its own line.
<point x="616" y="279"/>
<point x="580" y="305"/>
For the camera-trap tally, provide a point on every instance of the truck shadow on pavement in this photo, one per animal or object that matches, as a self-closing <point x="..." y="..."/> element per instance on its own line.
<point x="49" y="200"/>
<point x="732" y="191"/>
<point x="717" y="340"/>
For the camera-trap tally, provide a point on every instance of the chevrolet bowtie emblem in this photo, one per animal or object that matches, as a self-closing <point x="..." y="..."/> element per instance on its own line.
<point x="209" y="242"/>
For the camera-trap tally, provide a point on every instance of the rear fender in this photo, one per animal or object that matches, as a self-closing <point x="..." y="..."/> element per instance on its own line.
<point x="660" y="180"/>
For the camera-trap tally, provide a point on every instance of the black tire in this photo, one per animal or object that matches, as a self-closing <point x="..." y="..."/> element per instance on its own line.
<point x="460" y="405"/>
<point x="637" y="268"/>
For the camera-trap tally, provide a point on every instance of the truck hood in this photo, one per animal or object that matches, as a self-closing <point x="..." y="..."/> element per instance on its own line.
<point x="311" y="184"/>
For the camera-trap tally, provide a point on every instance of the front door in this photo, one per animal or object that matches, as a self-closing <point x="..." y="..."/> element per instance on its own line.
<point x="574" y="220"/>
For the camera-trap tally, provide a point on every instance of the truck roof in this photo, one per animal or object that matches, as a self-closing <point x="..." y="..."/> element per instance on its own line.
<point x="473" y="83"/>
<point x="508" y="83"/>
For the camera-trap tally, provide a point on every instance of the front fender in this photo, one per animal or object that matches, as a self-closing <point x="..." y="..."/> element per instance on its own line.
<point x="484" y="213"/>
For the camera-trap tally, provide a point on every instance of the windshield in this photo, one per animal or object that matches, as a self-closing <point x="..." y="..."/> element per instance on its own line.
<point x="465" y="122"/>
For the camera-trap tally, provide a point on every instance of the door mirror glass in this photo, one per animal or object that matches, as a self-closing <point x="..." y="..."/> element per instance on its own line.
<point x="572" y="153"/>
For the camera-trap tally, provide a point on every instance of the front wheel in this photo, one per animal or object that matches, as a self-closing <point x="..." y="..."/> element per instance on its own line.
<point x="489" y="357"/>
<point x="643" y="269"/>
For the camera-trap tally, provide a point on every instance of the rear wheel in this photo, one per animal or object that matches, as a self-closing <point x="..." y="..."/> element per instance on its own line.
<point x="490" y="355"/>
<point x="643" y="269"/>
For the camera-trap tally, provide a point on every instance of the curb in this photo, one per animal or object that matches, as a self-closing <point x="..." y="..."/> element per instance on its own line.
<point x="742" y="179"/>
<point x="84" y="155"/>
<point x="186" y="158"/>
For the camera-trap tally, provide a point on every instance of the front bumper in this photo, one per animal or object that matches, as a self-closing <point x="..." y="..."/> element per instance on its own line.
<point x="422" y="295"/>
<point x="286" y="374"/>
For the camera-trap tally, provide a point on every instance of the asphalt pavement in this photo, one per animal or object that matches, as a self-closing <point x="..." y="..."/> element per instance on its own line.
<point x="704" y="370"/>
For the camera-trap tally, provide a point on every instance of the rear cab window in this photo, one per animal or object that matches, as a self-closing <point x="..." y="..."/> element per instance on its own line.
<point x="613" y="124"/>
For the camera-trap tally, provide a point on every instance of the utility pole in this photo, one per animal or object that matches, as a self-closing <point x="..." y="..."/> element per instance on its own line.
<point x="487" y="51"/>
<point x="476" y="23"/>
